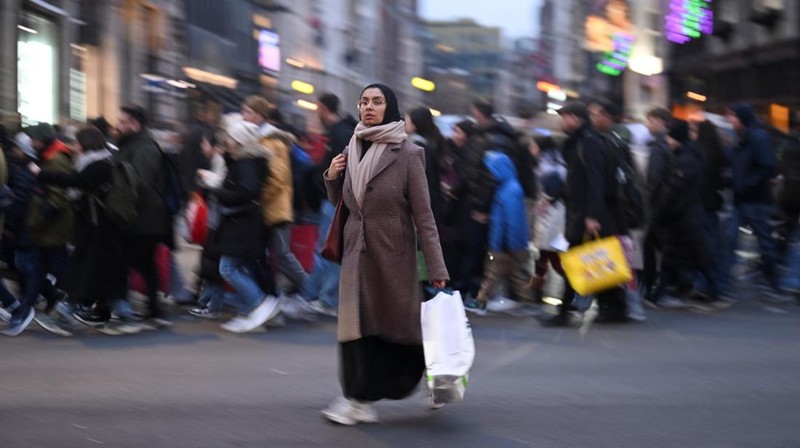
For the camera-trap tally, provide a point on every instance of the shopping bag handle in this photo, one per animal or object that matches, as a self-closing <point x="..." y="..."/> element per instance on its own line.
<point x="433" y="291"/>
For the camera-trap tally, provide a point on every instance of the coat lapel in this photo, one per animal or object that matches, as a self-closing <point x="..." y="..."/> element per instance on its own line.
<point x="388" y="157"/>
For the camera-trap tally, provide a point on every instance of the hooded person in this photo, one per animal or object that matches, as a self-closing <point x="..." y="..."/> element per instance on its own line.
<point x="753" y="165"/>
<point x="508" y="234"/>
<point x="381" y="182"/>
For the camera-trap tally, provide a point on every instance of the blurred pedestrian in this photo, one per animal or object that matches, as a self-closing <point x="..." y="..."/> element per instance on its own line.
<point x="239" y="238"/>
<point x="680" y="213"/>
<point x="590" y="211"/>
<point x="754" y="166"/>
<point x="661" y="163"/>
<point x="508" y="236"/>
<point x="153" y="223"/>
<point x="322" y="286"/>
<point x="475" y="191"/>
<point x="41" y="255"/>
<point x="379" y="328"/>
<point x="277" y="194"/>
<point x="96" y="266"/>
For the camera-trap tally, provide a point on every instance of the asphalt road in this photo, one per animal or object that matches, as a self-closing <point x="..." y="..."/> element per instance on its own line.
<point x="680" y="379"/>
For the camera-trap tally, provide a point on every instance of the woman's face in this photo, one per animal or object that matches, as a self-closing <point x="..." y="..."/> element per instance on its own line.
<point x="372" y="107"/>
<point x="459" y="137"/>
<point x="410" y="128"/>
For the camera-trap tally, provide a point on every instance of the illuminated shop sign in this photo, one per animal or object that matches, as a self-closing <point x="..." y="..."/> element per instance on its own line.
<point x="615" y="61"/>
<point x="688" y="19"/>
<point x="609" y="31"/>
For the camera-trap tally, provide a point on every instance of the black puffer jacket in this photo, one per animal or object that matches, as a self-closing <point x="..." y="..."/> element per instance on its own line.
<point x="241" y="229"/>
<point x="681" y="210"/>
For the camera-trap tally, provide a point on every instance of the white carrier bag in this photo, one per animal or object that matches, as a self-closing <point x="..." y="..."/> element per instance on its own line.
<point x="448" y="344"/>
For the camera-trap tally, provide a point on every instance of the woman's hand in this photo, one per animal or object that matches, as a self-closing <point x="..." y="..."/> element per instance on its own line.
<point x="338" y="165"/>
<point x="34" y="169"/>
<point x="439" y="284"/>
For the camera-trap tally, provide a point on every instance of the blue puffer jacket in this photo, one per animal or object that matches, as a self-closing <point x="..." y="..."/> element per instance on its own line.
<point x="508" y="227"/>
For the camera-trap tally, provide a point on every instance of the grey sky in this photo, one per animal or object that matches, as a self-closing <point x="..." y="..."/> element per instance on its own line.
<point x="515" y="17"/>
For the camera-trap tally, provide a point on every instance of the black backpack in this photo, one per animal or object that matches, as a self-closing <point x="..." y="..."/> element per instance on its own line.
<point x="624" y="185"/>
<point x="174" y="195"/>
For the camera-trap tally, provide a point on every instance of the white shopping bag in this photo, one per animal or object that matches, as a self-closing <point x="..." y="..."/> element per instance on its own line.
<point x="448" y="344"/>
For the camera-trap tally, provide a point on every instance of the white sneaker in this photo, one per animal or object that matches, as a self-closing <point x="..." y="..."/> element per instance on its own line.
<point x="268" y="309"/>
<point x="20" y="326"/>
<point x="5" y="316"/>
<point x="502" y="305"/>
<point x="297" y="307"/>
<point x="235" y="325"/>
<point x="350" y="412"/>
<point x="321" y="308"/>
<point x="49" y="324"/>
<point x="673" y="303"/>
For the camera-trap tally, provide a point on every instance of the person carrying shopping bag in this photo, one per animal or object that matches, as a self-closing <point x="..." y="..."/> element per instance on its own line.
<point x="381" y="178"/>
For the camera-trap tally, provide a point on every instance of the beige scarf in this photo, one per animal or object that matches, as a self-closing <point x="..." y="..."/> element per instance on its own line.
<point x="362" y="169"/>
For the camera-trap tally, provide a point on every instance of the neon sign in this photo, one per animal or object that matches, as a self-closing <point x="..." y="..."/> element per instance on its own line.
<point x="688" y="19"/>
<point x="615" y="61"/>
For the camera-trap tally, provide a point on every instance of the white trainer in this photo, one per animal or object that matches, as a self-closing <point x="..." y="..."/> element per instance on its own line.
<point x="350" y="412"/>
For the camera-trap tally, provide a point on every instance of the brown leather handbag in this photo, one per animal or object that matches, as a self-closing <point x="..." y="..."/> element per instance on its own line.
<point x="334" y="242"/>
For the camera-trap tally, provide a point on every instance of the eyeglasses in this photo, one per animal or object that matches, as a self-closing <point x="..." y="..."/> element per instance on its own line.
<point x="377" y="102"/>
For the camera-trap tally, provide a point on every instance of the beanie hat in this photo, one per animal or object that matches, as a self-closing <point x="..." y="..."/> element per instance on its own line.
<point x="23" y="142"/>
<point x="244" y="133"/>
<point x="744" y="112"/>
<point x="259" y="105"/>
<point x="679" y="130"/>
<point x="43" y="132"/>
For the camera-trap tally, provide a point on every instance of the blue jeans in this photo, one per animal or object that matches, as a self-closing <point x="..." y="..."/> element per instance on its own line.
<point x="6" y="298"/>
<point x="754" y="215"/>
<point x="790" y="278"/>
<point x="323" y="283"/>
<point x="33" y="266"/>
<point x="239" y="274"/>
<point x="215" y="297"/>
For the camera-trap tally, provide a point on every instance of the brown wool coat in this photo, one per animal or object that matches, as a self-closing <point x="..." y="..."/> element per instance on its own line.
<point x="379" y="292"/>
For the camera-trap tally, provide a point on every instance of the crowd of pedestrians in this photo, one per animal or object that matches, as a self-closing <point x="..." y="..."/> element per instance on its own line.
<point x="88" y="215"/>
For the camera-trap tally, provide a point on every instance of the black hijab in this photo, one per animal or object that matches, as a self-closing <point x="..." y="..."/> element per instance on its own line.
<point x="392" y="109"/>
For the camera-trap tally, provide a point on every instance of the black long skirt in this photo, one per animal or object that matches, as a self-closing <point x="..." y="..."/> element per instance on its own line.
<point x="373" y="369"/>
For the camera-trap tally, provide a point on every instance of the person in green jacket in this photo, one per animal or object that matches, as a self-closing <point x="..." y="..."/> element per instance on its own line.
<point x="42" y="257"/>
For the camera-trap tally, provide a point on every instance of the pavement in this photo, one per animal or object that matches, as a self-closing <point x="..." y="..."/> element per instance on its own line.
<point x="680" y="379"/>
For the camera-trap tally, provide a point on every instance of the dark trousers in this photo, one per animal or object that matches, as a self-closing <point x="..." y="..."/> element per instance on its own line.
<point x="473" y="257"/>
<point x="34" y="265"/>
<point x="140" y="254"/>
<point x="651" y="247"/>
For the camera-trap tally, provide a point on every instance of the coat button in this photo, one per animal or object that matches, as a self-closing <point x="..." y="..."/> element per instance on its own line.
<point x="369" y="189"/>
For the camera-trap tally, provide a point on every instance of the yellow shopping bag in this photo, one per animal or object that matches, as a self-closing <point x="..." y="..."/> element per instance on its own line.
<point x="596" y="266"/>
